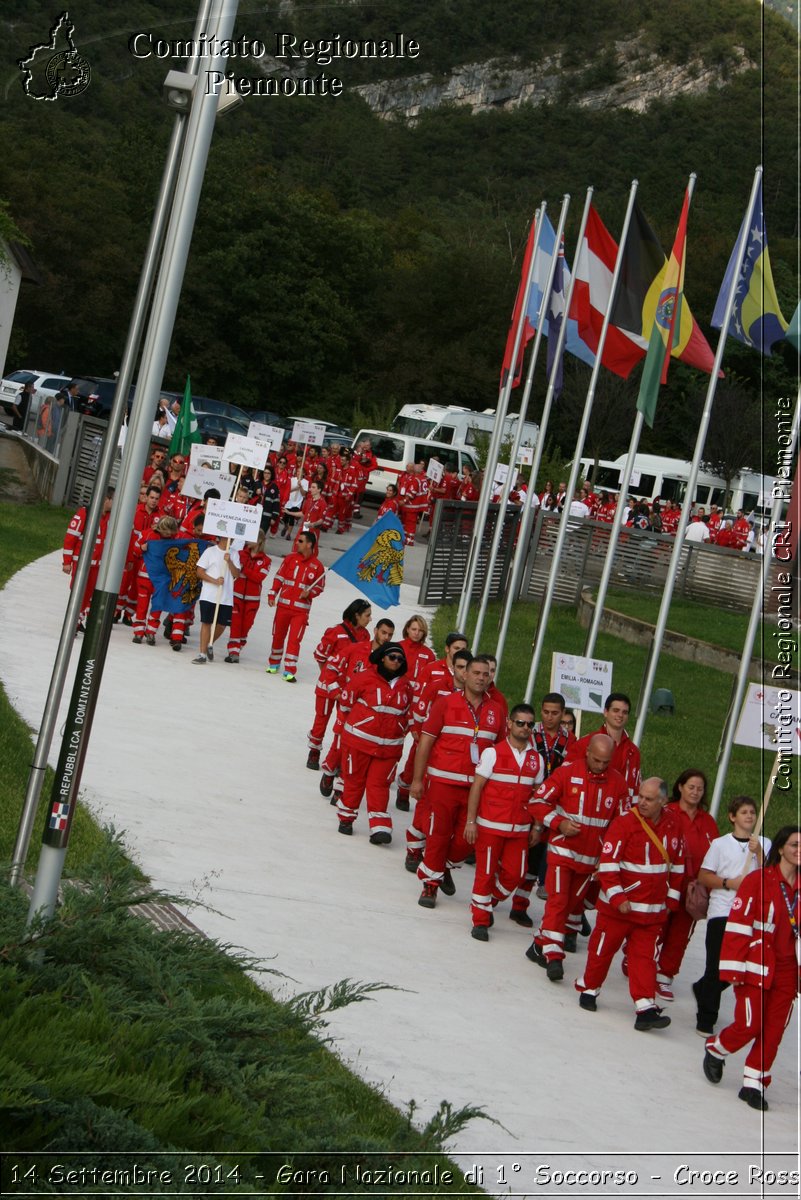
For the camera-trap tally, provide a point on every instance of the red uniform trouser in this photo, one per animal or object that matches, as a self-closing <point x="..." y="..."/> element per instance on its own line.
<point x="675" y="939"/>
<point x="567" y="883"/>
<point x="607" y="937"/>
<point x="762" y="1014"/>
<point x="364" y="773"/>
<point x="333" y="759"/>
<point x="243" y="614"/>
<point x="89" y="590"/>
<point x="419" y="827"/>
<point x="408" y="518"/>
<point x="445" y="841"/>
<point x="289" y="625"/>
<point x="126" y="599"/>
<point x="588" y="901"/>
<point x="522" y="896"/>
<point x="407" y="774"/>
<point x="180" y="622"/>
<point x="144" y="592"/>
<point x="323" y="707"/>
<point x="500" y="865"/>
<point x="343" y="511"/>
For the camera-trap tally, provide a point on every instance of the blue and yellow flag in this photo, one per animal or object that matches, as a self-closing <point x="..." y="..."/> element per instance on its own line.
<point x="756" y="318"/>
<point x="374" y="563"/>
<point x="172" y="566"/>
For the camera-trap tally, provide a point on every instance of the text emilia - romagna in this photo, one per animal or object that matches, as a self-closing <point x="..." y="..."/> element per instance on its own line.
<point x="287" y="48"/>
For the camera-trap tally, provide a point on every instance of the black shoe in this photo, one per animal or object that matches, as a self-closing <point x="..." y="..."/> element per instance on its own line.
<point x="137" y="641"/>
<point x="230" y="658"/>
<point x="588" y="1003"/>
<point x="554" y="970"/>
<point x="753" y="1098"/>
<point x="381" y="837"/>
<point x="126" y="620"/>
<point x="586" y="928"/>
<point x="150" y="638"/>
<point x="651" y="1018"/>
<point x="446" y="885"/>
<point x="81" y="627"/>
<point x="535" y="955"/>
<point x="167" y="630"/>
<point x="402" y="802"/>
<point x="571" y="943"/>
<point x="480" y="933"/>
<point x="313" y="761"/>
<point x="470" y="861"/>
<point x="177" y="646"/>
<point x="428" y="896"/>
<point x="520" y="917"/>
<point x="713" y="1067"/>
<point x="346" y="827"/>
<point x="326" y="784"/>
<point x="413" y="860"/>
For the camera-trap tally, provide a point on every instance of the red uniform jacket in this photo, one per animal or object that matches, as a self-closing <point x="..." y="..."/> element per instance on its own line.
<point x="438" y="685"/>
<point x="758" y="934"/>
<point x="461" y="734"/>
<point x="73" y="539"/>
<point x="697" y="834"/>
<point x="632" y="868"/>
<point x="418" y="657"/>
<point x="591" y="800"/>
<point x="625" y="758"/>
<point x="334" y="643"/>
<point x="503" y="806"/>
<point x="295" y="574"/>
<point x="375" y="714"/>
<point x="552" y="749"/>
<point x="467" y="490"/>
<point x="253" y="570"/>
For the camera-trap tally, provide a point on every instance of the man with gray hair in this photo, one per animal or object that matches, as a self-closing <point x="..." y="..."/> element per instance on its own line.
<point x="640" y="872"/>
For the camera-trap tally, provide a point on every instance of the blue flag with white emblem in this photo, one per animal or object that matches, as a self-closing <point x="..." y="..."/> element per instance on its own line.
<point x="374" y="563"/>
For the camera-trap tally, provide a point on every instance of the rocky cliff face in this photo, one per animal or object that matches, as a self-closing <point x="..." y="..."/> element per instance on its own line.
<point x="629" y="77"/>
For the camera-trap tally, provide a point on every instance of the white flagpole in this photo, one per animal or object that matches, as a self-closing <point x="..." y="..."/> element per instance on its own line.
<point x="675" y="559"/>
<point x="518" y="438"/>
<point x="617" y="523"/>
<point x="547" y="598"/>
<point x="750" y="636"/>
<point x="496" y="440"/>
<point x="529" y="513"/>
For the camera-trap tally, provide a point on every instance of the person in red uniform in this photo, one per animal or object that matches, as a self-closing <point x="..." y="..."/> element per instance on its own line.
<point x="366" y="462"/>
<point x="493" y="691"/>
<point x="73" y="540"/>
<point x="575" y="805"/>
<point x="699" y="830"/>
<point x="418" y="654"/>
<point x="606" y="509"/>
<point x="640" y="872"/>
<point x="552" y="740"/>
<point x="254" y="566"/>
<point x="299" y="579"/>
<point x="375" y="706"/>
<point x="413" y="499"/>
<point x="346" y="491"/>
<point x="313" y="512"/>
<point x="760" y="957"/>
<point x="671" y="514"/>
<point x="456" y="731"/>
<point x="740" y="531"/>
<point x="390" y="502"/>
<point x="173" y="502"/>
<point x="498" y="818"/>
<point x="349" y="662"/>
<point x="626" y="756"/>
<point x="438" y="668"/>
<point x="713" y="524"/>
<point x="158" y="462"/>
<point x="144" y="516"/>
<point x="338" y="638"/>
<point x="146" y="624"/>
<point x="467" y="490"/>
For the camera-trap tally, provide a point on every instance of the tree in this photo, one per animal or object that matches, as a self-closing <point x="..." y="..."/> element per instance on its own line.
<point x="733" y="440"/>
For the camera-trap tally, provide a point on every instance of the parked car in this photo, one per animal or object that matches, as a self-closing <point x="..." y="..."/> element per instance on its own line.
<point x="96" y="395"/>
<point x="47" y="383"/>
<point x="265" y="417"/>
<point x="219" y="426"/>
<point x="207" y="405"/>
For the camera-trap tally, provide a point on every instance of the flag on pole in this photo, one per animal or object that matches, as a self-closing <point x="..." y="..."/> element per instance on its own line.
<point x="756" y="318"/>
<point x="528" y="331"/>
<point x="573" y="343"/>
<point x="667" y="321"/>
<point x="186" y="431"/>
<point x="793" y="334"/>
<point x="374" y="563"/>
<point x="172" y="566"/>
<point x="556" y="315"/>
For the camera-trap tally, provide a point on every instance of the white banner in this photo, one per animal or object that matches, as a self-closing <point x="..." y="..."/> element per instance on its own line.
<point x="245" y="451"/>
<point x="584" y="682"/>
<point x="435" y="470"/>
<point x="229" y="520"/>
<point x="206" y="456"/>
<point x="308" y="432"/>
<point x="770" y="720"/>
<point x="199" y="479"/>
<point x="266" y="433"/>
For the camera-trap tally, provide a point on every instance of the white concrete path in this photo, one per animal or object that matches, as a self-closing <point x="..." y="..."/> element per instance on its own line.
<point x="203" y="768"/>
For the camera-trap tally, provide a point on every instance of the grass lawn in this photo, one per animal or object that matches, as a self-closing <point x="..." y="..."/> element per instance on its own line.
<point x="688" y="739"/>
<point x="719" y="626"/>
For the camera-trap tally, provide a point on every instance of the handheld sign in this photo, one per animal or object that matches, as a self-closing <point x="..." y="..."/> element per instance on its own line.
<point x="770" y="720"/>
<point x="206" y="456"/>
<point x="308" y="432"/>
<point x="266" y="433"/>
<point x="525" y="456"/>
<point x="228" y="520"/>
<point x="435" y="470"/>
<point x="245" y="451"/>
<point x="198" y="480"/>
<point x="584" y="682"/>
<point x="501" y="471"/>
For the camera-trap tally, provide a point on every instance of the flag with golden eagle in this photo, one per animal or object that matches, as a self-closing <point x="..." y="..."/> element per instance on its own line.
<point x="374" y="563"/>
<point x="172" y="566"/>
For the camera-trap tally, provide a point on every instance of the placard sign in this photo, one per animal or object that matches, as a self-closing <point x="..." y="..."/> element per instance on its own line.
<point x="635" y="477"/>
<point x="198" y="480"/>
<point x="245" y="451"/>
<point x="501" y="471"/>
<point x="435" y="470"/>
<point x="229" y="520"/>
<point x="266" y="433"/>
<point x="770" y="720"/>
<point x="525" y="456"/>
<point x="206" y="456"/>
<point x="308" y="432"/>
<point x="584" y="682"/>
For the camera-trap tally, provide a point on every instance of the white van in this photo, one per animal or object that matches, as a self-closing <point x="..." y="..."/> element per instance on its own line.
<point x="394" y="450"/>
<point x="448" y="423"/>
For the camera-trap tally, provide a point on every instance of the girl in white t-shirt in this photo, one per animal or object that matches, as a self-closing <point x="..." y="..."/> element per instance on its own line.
<point x="726" y="863"/>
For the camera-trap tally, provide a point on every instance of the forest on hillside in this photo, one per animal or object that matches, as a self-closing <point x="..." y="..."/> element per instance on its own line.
<point x="344" y="264"/>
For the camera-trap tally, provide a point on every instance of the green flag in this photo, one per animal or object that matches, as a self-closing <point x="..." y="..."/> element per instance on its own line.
<point x="186" y="431"/>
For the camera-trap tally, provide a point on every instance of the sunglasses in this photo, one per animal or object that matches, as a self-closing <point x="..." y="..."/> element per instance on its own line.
<point x="523" y="724"/>
<point x="394" y="657"/>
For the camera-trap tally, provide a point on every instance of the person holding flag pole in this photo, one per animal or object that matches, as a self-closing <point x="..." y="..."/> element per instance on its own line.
<point x="675" y="559"/>
<point x="529" y="512"/>
<point x="518" y="438"/>
<point x="664" y="336"/>
<point x="548" y="591"/>
<point x="507" y="383"/>
<point x="186" y="433"/>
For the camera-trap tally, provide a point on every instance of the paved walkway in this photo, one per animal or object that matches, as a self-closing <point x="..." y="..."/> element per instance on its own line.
<point x="203" y="768"/>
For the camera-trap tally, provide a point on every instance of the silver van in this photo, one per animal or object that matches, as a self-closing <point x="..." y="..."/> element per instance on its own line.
<point x="394" y="450"/>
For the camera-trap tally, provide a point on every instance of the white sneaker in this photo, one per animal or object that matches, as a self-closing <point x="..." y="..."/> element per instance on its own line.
<point x="201" y="658"/>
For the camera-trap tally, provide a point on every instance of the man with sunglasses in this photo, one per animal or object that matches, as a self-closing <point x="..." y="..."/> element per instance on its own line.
<point x="498" y="820"/>
<point x="173" y="502"/>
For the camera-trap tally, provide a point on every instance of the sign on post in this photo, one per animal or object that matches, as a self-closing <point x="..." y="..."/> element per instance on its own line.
<point x="525" y="456"/>
<point x="206" y="456"/>
<point x="435" y="470"/>
<point x="584" y="682"/>
<point x="245" y="451"/>
<point x="770" y="720"/>
<point x="308" y="432"/>
<point x="198" y="480"/>
<point x="266" y="433"/>
<point x="501" y="471"/>
<point x="228" y="520"/>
